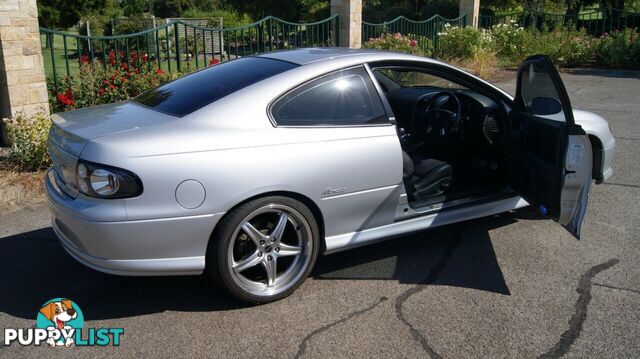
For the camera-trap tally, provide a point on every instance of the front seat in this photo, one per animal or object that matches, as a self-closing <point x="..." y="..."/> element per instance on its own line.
<point x="425" y="177"/>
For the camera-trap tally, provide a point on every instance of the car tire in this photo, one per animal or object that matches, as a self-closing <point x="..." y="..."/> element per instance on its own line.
<point x="248" y="237"/>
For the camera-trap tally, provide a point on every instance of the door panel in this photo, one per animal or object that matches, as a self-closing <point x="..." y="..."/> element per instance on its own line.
<point x="550" y="155"/>
<point x="577" y="182"/>
<point x="537" y="166"/>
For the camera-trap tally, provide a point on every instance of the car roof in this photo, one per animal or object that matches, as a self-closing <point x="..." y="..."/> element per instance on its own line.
<point x="305" y="56"/>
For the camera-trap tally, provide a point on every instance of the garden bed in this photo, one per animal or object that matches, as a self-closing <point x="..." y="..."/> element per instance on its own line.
<point x="18" y="188"/>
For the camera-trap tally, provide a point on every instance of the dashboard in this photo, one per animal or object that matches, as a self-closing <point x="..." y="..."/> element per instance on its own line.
<point x="483" y="120"/>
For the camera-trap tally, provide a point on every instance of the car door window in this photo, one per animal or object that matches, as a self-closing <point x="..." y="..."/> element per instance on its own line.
<point x="539" y="93"/>
<point x="343" y="98"/>
<point x="415" y="78"/>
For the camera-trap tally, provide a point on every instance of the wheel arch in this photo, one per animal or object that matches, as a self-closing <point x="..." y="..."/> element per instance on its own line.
<point x="313" y="207"/>
<point x="598" y="158"/>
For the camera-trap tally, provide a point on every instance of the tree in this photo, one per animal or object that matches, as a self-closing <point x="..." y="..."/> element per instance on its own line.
<point x="62" y="14"/>
<point x="500" y="5"/>
<point x="171" y="8"/>
<point x="135" y="8"/>
<point x="285" y="9"/>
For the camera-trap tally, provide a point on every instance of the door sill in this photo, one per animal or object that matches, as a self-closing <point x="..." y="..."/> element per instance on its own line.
<point x="410" y="210"/>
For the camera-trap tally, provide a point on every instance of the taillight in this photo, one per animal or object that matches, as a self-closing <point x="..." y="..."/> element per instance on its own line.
<point x="102" y="181"/>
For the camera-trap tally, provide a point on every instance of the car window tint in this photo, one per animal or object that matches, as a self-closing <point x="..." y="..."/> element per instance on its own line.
<point x="343" y="98"/>
<point x="413" y="78"/>
<point x="194" y="91"/>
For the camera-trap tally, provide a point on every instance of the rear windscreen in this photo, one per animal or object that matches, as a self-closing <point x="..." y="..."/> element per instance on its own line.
<point x="192" y="92"/>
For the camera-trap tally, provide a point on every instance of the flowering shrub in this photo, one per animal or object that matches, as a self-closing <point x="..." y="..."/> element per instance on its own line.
<point x="508" y="39"/>
<point x="28" y="138"/>
<point x="398" y="43"/>
<point x="576" y="49"/>
<point x="619" y="49"/>
<point x="512" y="43"/>
<point x="459" y="42"/>
<point x="97" y="84"/>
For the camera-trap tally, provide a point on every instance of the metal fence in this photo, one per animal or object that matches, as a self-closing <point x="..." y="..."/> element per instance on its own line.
<point x="595" y="22"/>
<point x="424" y="29"/>
<point x="179" y="46"/>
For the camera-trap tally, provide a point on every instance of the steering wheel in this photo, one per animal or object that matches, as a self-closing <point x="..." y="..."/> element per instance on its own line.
<point x="435" y="115"/>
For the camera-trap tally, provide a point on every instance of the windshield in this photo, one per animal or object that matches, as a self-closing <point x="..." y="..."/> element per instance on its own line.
<point x="192" y="92"/>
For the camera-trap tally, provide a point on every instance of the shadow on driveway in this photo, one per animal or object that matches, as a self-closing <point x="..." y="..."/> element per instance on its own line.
<point x="35" y="268"/>
<point x="409" y="259"/>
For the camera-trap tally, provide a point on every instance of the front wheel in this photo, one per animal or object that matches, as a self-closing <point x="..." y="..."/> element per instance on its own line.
<point x="264" y="249"/>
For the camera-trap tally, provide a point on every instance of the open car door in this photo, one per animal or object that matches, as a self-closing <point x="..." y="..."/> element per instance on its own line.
<point x="550" y="156"/>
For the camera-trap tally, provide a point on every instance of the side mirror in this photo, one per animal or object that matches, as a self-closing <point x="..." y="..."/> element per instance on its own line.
<point x="542" y="106"/>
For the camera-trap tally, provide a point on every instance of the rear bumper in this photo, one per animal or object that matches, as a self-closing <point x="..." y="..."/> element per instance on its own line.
<point x="165" y="246"/>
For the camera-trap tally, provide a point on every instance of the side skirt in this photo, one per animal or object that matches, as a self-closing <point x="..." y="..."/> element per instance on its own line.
<point x="355" y="239"/>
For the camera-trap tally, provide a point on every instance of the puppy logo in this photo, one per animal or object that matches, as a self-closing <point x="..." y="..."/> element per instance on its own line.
<point x="60" y="317"/>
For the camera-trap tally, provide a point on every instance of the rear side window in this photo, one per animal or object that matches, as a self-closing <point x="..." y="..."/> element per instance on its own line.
<point x="343" y="98"/>
<point x="194" y="91"/>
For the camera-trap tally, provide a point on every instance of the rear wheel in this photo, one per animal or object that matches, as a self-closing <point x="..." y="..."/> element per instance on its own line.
<point x="263" y="250"/>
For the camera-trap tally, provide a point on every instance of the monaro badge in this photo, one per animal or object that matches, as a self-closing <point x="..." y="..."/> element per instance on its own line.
<point x="331" y="191"/>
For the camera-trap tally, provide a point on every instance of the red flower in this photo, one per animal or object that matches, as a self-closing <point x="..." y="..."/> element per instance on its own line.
<point x="145" y="57"/>
<point x="125" y="66"/>
<point x="159" y="71"/>
<point x="112" y="58"/>
<point x="112" y="86"/>
<point x="66" y="98"/>
<point x="413" y="43"/>
<point x="214" y="61"/>
<point x="85" y="59"/>
<point x="123" y="79"/>
<point x="136" y="71"/>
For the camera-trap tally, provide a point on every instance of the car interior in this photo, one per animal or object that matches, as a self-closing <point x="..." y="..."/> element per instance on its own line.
<point x="453" y="138"/>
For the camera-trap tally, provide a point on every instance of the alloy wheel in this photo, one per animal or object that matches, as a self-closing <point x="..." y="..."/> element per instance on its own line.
<point x="270" y="250"/>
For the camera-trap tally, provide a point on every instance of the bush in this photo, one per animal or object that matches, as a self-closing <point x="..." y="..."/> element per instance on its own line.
<point x="459" y="42"/>
<point x="512" y="43"/>
<point x="508" y="40"/>
<point x="229" y="18"/>
<point x="538" y="42"/>
<point x="98" y="85"/>
<point x="576" y="49"/>
<point x="619" y="49"/>
<point x="28" y="138"/>
<point x="131" y="27"/>
<point x="398" y="43"/>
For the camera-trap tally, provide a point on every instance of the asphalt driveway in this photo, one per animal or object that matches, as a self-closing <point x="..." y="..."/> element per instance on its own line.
<point x="512" y="285"/>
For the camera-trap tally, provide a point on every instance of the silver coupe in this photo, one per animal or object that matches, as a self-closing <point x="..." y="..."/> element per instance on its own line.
<point x="250" y="169"/>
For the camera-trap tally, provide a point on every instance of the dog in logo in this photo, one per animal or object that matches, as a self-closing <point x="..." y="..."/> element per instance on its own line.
<point x="59" y="313"/>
